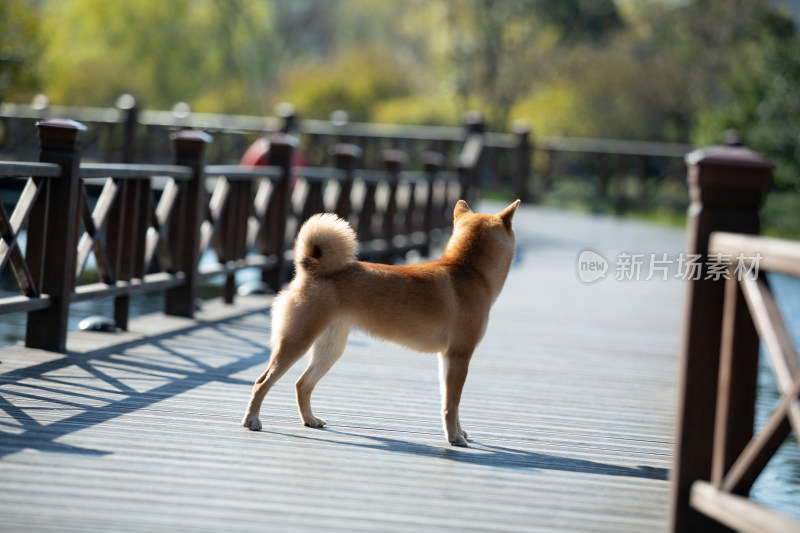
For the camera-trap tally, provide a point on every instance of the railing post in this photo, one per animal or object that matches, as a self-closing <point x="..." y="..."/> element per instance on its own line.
<point x="393" y="161"/>
<point x="57" y="218"/>
<point x="727" y="185"/>
<point x="522" y="154"/>
<point x="470" y="158"/>
<point x="433" y="162"/>
<point x="366" y="212"/>
<point x="127" y="105"/>
<point x="432" y="219"/>
<point x="344" y="158"/>
<point x="286" y="112"/>
<point x="190" y="149"/>
<point x="281" y="147"/>
<point x="124" y="222"/>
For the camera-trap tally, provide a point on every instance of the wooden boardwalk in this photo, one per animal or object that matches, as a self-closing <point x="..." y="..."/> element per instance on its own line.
<point x="569" y="405"/>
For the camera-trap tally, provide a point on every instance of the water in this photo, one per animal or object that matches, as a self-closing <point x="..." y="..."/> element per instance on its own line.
<point x="779" y="485"/>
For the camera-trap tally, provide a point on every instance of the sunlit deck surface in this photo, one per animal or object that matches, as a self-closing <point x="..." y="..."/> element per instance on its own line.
<point x="569" y="405"/>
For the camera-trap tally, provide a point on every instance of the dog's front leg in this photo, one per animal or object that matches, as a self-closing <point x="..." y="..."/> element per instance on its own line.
<point x="453" y="366"/>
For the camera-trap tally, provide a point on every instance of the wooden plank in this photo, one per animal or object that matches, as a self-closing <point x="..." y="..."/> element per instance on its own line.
<point x="738" y="377"/>
<point x="131" y="171"/>
<point x="768" y="253"/>
<point x="22" y="303"/>
<point x="157" y="281"/>
<point x="738" y="512"/>
<point x="236" y="172"/>
<point x="25" y="170"/>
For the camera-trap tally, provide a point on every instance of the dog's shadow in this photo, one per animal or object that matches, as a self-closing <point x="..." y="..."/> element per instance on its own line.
<point x="489" y="455"/>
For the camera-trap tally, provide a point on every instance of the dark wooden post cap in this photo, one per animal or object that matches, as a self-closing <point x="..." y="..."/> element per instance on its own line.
<point x="393" y="159"/>
<point x="433" y="161"/>
<point x="60" y="135"/>
<point x="345" y="153"/>
<point x="728" y="176"/>
<point x="126" y="102"/>
<point x="474" y="122"/>
<point x="282" y="143"/>
<point x="340" y="117"/>
<point x="190" y="144"/>
<point x="521" y="127"/>
<point x="287" y="114"/>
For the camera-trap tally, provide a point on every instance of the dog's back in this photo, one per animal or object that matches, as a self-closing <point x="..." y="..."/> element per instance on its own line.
<point x="421" y="306"/>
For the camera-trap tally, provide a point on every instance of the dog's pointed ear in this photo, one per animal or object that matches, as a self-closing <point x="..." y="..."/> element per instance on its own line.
<point x="508" y="213"/>
<point x="461" y="209"/>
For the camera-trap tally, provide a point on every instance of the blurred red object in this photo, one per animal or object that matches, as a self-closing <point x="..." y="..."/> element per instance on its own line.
<point x="258" y="155"/>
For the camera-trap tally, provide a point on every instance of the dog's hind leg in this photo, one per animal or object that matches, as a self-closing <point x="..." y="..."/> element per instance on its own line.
<point x="294" y="330"/>
<point x="453" y="366"/>
<point x="282" y="359"/>
<point x="324" y="353"/>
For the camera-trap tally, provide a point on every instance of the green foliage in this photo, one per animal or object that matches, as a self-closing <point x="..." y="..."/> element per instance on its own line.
<point x="763" y="104"/>
<point x="431" y="110"/>
<point x="780" y="214"/>
<point x="579" y="20"/>
<point x="655" y="76"/>
<point x="499" y="50"/>
<point x="163" y="52"/>
<point x="598" y="92"/>
<point x="355" y="81"/>
<point x="19" y="27"/>
<point x="630" y="69"/>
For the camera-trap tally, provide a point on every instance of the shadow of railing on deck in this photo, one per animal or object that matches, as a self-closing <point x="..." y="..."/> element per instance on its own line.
<point x="54" y="399"/>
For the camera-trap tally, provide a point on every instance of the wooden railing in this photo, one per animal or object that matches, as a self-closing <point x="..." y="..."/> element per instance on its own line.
<point x="729" y="307"/>
<point x="149" y="224"/>
<point x="612" y="167"/>
<point x="126" y="134"/>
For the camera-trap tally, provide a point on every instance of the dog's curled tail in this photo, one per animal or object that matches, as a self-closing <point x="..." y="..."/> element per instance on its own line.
<point x="325" y="244"/>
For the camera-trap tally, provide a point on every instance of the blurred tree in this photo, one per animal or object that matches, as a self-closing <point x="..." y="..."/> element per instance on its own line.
<point x="213" y="53"/>
<point x="355" y="81"/>
<point x="501" y="48"/>
<point x="669" y="64"/>
<point x="19" y="49"/>
<point x="580" y="20"/>
<point x="763" y="105"/>
<point x="304" y="29"/>
<point x="648" y="69"/>
<point x="353" y="55"/>
<point x="707" y="41"/>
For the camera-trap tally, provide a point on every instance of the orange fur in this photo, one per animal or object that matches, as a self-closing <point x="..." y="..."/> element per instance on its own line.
<point x="438" y="306"/>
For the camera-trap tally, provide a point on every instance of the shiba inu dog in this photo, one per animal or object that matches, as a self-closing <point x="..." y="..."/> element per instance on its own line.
<point x="439" y="307"/>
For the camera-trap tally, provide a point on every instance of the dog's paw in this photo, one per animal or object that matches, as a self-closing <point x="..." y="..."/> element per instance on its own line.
<point x="251" y="422"/>
<point x="313" y="422"/>
<point x="458" y="440"/>
<point x="463" y="433"/>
